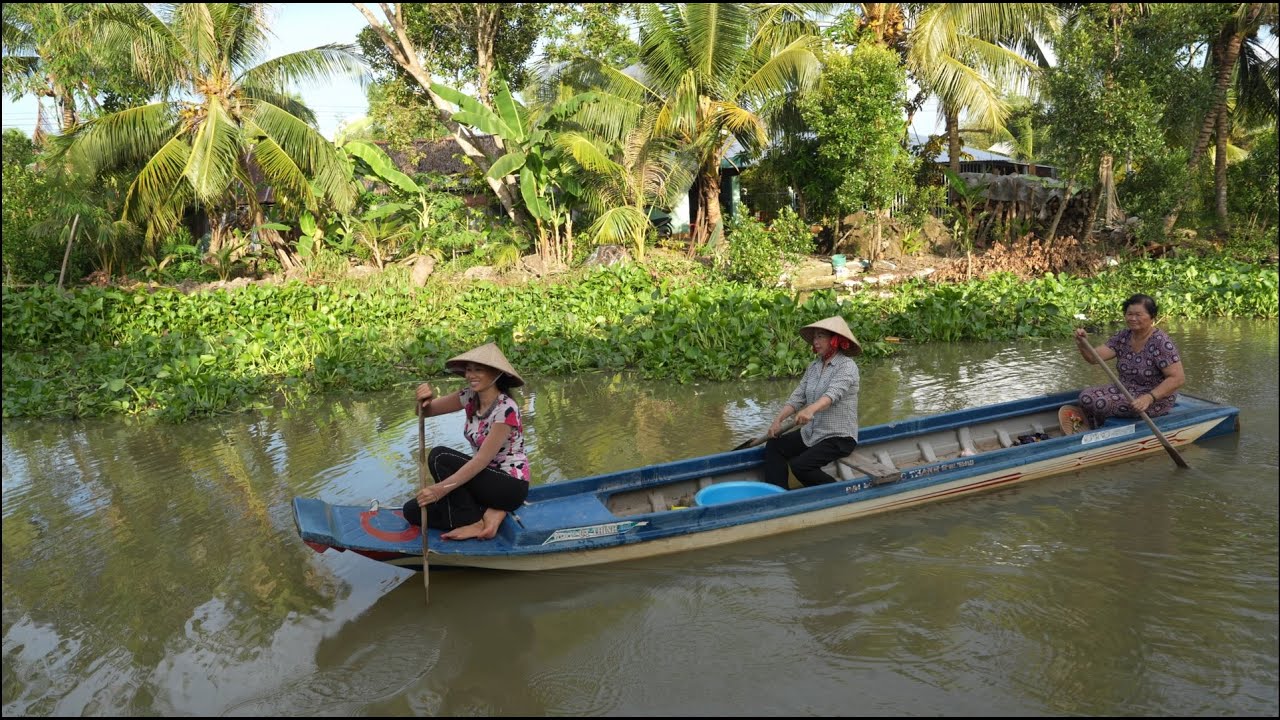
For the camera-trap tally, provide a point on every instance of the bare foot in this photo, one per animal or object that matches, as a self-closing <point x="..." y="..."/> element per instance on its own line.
<point x="466" y="532"/>
<point x="492" y="520"/>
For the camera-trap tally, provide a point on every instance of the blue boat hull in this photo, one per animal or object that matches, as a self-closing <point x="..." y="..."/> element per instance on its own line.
<point x="649" y="511"/>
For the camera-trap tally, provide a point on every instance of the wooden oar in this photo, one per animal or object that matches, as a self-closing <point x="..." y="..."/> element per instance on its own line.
<point x="787" y="426"/>
<point x="422" y="482"/>
<point x="1177" y="457"/>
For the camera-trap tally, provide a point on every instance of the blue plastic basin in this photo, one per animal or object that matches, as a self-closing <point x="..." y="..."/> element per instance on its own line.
<point x="735" y="490"/>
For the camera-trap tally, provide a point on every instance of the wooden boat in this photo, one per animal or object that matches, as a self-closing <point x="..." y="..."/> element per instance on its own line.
<point x="650" y="511"/>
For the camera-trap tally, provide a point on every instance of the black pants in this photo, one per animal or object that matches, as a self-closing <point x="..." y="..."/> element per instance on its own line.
<point x="806" y="462"/>
<point x="465" y="504"/>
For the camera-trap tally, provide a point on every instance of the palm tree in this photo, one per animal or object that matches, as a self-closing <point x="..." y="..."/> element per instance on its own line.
<point x="1225" y="52"/>
<point x="706" y="71"/>
<point x="40" y="60"/>
<point x="649" y="172"/>
<point x="967" y="53"/>
<point x="223" y="125"/>
<point x="1251" y="103"/>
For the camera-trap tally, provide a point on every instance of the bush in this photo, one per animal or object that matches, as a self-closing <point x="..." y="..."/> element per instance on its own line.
<point x="32" y="251"/>
<point x="756" y="254"/>
<point x="791" y="234"/>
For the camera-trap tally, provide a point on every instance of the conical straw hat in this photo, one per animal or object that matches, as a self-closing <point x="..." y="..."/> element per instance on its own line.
<point x="488" y="355"/>
<point x="837" y="326"/>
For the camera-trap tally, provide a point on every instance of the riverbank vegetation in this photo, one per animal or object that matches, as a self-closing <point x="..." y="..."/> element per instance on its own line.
<point x="95" y="351"/>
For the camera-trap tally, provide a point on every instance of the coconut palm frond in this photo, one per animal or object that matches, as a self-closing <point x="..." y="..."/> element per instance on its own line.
<point x="602" y="196"/>
<point x="120" y="138"/>
<point x="964" y="88"/>
<point x="309" y="150"/>
<point x="781" y="24"/>
<point x="966" y="53"/>
<point x="662" y="51"/>
<point x="244" y="28"/>
<point x="587" y="152"/>
<point x="619" y="225"/>
<point x="321" y="63"/>
<point x="156" y="53"/>
<point x="745" y="125"/>
<point x="679" y="115"/>
<point x="795" y="66"/>
<point x="291" y="105"/>
<point x="717" y="39"/>
<point x="197" y="30"/>
<point x="159" y="181"/>
<point x="609" y="117"/>
<point x="16" y="36"/>
<point x="215" y="152"/>
<point x="281" y="172"/>
<point x="941" y="25"/>
<point x="1257" y="91"/>
<point x="1002" y="66"/>
<point x="17" y="69"/>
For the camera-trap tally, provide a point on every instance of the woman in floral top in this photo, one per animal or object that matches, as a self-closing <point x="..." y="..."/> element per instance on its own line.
<point x="472" y="494"/>
<point x="1147" y="362"/>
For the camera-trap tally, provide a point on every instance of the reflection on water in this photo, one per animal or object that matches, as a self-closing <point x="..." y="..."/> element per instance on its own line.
<point x="155" y="570"/>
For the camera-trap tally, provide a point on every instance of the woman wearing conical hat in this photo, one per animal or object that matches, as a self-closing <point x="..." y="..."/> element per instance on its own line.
<point x="472" y="494"/>
<point x="825" y="405"/>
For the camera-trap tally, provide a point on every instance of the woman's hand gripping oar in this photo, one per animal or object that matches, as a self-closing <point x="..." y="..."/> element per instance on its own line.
<point x="787" y="426"/>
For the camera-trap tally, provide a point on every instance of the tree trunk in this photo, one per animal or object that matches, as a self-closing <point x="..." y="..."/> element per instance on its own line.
<point x="1112" y="212"/>
<point x="66" y="256"/>
<point x="707" y="219"/>
<point x="406" y="56"/>
<point x="568" y="238"/>
<point x="1057" y="217"/>
<point x="953" y="139"/>
<point x="873" y="253"/>
<point x="1104" y="172"/>
<point x="487" y="15"/>
<point x="219" y="230"/>
<point x="38" y="135"/>
<point x="66" y="104"/>
<point x="1220" y="170"/>
<point x="69" y="117"/>
<point x="280" y="247"/>
<point x="1225" y="52"/>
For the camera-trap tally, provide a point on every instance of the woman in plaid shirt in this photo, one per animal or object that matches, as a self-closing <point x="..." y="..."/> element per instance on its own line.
<point x="825" y="405"/>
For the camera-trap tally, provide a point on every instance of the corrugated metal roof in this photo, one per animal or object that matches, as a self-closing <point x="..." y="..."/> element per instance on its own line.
<point x="976" y="155"/>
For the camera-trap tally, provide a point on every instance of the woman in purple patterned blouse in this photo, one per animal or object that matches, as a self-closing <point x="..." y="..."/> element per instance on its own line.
<point x="1147" y="362"/>
<point x="472" y="494"/>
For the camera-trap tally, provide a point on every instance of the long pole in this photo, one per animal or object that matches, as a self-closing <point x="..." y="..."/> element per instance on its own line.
<point x="422" y="482"/>
<point x="67" y="255"/>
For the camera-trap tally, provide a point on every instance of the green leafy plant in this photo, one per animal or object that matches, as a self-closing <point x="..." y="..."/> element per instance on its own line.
<point x="965" y="216"/>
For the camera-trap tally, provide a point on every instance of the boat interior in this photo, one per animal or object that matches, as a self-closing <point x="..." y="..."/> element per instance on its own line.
<point x="881" y="462"/>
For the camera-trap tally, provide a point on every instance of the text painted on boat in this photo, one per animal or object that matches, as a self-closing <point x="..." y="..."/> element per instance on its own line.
<point x="593" y="531"/>
<point x="1101" y="435"/>
<point x="931" y="469"/>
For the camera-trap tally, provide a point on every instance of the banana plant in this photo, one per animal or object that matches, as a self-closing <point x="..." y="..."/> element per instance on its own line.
<point x="343" y="231"/>
<point x="311" y="234"/>
<point x="545" y="175"/>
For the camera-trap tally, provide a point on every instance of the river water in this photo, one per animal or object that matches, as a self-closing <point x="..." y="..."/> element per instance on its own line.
<point x="155" y="569"/>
